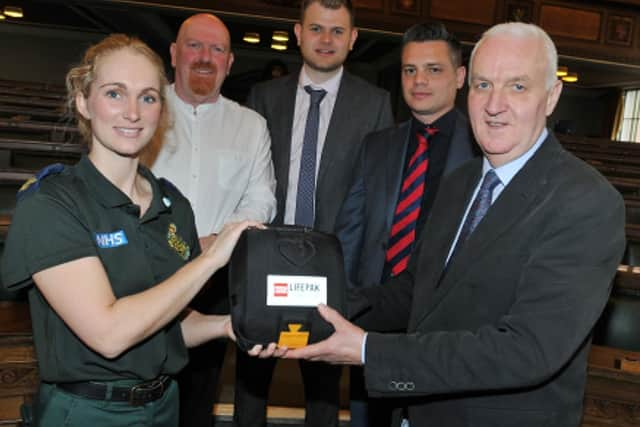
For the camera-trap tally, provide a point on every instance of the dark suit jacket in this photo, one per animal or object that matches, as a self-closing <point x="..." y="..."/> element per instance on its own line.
<point x="360" y="108"/>
<point x="366" y="216"/>
<point x="501" y="338"/>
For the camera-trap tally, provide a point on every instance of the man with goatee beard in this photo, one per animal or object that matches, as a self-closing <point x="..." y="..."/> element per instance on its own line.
<point x="317" y="119"/>
<point x="218" y="155"/>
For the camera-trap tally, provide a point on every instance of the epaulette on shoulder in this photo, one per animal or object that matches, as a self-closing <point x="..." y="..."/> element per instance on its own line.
<point x="168" y="187"/>
<point x="33" y="183"/>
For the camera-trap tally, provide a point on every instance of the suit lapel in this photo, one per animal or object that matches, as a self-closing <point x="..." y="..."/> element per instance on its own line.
<point x="519" y="197"/>
<point x="284" y="112"/>
<point x="460" y="148"/>
<point x="394" y="161"/>
<point x="441" y="228"/>
<point x="338" y="123"/>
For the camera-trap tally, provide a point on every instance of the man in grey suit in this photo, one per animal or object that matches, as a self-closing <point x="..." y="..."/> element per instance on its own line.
<point x="385" y="211"/>
<point x="312" y="180"/>
<point x="500" y="301"/>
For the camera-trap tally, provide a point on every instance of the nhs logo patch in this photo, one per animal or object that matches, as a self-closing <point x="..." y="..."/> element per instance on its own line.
<point x="111" y="240"/>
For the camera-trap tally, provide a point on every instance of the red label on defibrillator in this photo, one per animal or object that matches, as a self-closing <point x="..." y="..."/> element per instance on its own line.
<point x="280" y="290"/>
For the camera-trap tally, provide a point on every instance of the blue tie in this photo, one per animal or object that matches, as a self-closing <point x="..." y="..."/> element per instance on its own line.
<point x="307" y="177"/>
<point x="479" y="208"/>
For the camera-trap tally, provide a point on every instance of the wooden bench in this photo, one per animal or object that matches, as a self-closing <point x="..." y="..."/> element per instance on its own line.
<point x="33" y="93"/>
<point x="15" y="112"/>
<point x="31" y="101"/>
<point x="39" y="86"/>
<point x="612" y="395"/>
<point x="49" y="131"/>
<point x="32" y="144"/>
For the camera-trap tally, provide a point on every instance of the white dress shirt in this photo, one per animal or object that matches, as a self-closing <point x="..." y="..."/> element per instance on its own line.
<point x="219" y="156"/>
<point x="303" y="99"/>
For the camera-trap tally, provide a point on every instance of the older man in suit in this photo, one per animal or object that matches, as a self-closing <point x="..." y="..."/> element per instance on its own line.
<point x="500" y="301"/>
<point x="399" y="174"/>
<point x="317" y="120"/>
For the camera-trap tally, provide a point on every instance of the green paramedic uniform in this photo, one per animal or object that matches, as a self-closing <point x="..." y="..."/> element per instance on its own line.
<point x="69" y="213"/>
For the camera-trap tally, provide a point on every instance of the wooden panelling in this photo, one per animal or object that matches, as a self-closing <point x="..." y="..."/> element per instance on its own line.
<point x="411" y="7"/>
<point x="475" y="12"/>
<point x="18" y="365"/>
<point x="369" y="4"/>
<point x="593" y="30"/>
<point x="14" y="317"/>
<point x="10" y="408"/>
<point x="619" y="30"/>
<point x="572" y="23"/>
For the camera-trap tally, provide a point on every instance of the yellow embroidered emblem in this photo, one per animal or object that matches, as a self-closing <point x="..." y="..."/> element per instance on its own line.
<point x="28" y="183"/>
<point x="177" y="243"/>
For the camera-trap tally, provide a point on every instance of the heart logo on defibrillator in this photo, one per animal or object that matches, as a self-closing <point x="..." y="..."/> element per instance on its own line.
<point x="297" y="251"/>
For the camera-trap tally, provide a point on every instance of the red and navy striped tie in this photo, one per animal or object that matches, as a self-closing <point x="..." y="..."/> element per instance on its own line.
<point x="403" y="231"/>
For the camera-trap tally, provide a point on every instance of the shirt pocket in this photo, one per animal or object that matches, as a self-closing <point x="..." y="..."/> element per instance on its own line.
<point x="233" y="169"/>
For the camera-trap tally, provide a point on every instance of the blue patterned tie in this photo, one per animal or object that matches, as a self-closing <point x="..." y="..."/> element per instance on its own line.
<point x="479" y="208"/>
<point x="307" y="177"/>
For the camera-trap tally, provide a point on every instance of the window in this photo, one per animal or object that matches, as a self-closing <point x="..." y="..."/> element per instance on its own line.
<point x="629" y="126"/>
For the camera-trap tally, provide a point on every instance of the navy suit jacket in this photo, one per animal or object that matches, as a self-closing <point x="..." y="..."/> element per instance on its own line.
<point x="366" y="216"/>
<point x="360" y="108"/>
<point x="502" y="337"/>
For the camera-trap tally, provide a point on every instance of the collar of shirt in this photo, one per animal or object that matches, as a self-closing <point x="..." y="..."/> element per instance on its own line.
<point x="444" y="123"/>
<point x="110" y="196"/>
<point x="507" y="171"/>
<point x="331" y="86"/>
<point x="177" y="102"/>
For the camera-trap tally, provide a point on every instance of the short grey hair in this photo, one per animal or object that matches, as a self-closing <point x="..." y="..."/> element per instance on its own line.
<point x="523" y="31"/>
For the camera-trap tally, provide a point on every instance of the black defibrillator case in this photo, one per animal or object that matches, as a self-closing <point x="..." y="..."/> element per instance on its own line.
<point x="277" y="277"/>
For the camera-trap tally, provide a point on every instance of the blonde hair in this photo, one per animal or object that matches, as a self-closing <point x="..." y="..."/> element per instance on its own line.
<point x="80" y="78"/>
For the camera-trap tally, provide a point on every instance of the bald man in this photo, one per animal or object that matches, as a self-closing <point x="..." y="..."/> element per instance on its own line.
<point x="218" y="154"/>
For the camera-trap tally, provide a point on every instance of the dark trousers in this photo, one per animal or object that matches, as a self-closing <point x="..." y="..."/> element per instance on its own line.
<point x="199" y="379"/>
<point x="57" y="408"/>
<point x="367" y="411"/>
<point x="253" y="378"/>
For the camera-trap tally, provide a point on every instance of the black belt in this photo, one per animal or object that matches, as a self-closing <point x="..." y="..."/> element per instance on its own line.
<point x="135" y="395"/>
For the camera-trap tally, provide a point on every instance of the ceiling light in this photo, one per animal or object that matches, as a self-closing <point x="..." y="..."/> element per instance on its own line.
<point x="13" y="11"/>
<point x="251" y="37"/>
<point x="279" y="46"/>
<point x="562" y="71"/>
<point x="2" y="17"/>
<point x="280" y="36"/>
<point x="570" y="78"/>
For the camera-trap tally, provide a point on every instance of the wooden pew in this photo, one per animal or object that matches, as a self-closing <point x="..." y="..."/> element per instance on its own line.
<point x="612" y="395"/>
<point x="49" y="131"/>
<point x="30" y="101"/>
<point x="39" y="86"/>
<point x="32" y="144"/>
<point x="33" y="92"/>
<point x="30" y="113"/>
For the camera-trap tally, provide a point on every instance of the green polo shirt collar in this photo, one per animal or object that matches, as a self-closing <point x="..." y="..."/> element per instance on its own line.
<point x="110" y="196"/>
